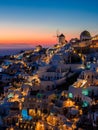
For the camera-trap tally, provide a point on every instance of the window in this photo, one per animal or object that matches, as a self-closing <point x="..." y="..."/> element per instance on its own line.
<point x="85" y="92"/>
<point x="70" y="95"/>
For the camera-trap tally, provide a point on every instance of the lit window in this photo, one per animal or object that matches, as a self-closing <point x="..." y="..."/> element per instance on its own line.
<point x="85" y="104"/>
<point x="85" y="92"/>
<point x="70" y="95"/>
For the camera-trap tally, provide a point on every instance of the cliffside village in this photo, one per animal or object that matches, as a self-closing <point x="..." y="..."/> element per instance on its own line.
<point x="51" y="88"/>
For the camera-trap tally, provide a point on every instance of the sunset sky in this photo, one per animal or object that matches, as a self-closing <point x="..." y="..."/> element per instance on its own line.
<point x="32" y="22"/>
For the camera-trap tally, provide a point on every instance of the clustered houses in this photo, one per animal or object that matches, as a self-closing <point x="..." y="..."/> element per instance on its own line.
<point x="85" y="41"/>
<point x="30" y="98"/>
<point x="86" y="90"/>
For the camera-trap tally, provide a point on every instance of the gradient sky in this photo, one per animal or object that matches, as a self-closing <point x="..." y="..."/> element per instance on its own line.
<point x="32" y="22"/>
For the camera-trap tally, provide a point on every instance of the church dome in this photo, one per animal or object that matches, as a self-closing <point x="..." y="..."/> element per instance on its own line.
<point x="85" y="35"/>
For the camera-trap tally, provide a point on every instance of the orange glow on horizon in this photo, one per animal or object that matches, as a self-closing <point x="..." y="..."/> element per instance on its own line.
<point x="28" y="37"/>
<point x="35" y="39"/>
<point x="28" y="41"/>
<point x="32" y="42"/>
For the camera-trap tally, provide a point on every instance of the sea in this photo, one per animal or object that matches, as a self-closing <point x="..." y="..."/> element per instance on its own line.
<point x="12" y="51"/>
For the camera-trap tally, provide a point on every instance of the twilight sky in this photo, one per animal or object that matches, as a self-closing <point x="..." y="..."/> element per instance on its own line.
<point x="32" y="22"/>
